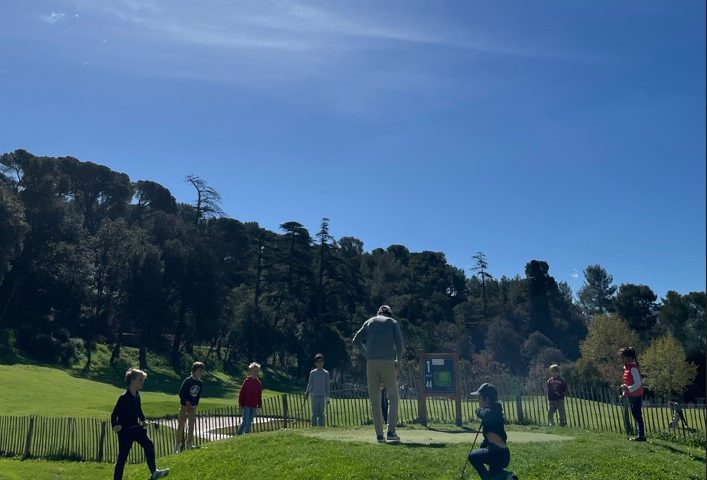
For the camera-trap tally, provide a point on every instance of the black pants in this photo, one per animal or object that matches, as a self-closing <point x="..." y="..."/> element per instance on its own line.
<point x="126" y="437"/>
<point x="496" y="458"/>
<point x="636" y="403"/>
<point x="384" y="405"/>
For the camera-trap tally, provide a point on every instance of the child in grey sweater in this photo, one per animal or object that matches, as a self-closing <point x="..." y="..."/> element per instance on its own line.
<point x="319" y="387"/>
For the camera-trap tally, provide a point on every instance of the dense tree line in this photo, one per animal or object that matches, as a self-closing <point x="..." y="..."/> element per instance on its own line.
<point x="87" y="253"/>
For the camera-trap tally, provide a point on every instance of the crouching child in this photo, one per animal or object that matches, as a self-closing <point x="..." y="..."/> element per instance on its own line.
<point x="493" y="450"/>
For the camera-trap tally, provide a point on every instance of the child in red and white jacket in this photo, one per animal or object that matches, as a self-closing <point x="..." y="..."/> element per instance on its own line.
<point x="556" y="391"/>
<point x="250" y="397"/>
<point x="632" y="387"/>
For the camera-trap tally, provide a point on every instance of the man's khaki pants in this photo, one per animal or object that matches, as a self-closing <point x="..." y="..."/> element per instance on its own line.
<point x="382" y="372"/>
<point x="185" y="413"/>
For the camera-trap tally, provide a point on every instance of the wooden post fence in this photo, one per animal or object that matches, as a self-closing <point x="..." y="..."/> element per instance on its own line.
<point x="28" y="438"/>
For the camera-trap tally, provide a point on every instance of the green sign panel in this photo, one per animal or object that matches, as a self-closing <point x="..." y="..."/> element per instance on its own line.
<point x="439" y="375"/>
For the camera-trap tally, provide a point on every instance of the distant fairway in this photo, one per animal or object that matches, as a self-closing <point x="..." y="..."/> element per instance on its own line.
<point x="427" y="437"/>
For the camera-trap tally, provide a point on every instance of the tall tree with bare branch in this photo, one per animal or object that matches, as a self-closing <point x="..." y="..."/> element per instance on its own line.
<point x="480" y="267"/>
<point x="208" y="200"/>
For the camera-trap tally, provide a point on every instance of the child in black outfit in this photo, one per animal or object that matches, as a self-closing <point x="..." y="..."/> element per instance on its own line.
<point x="493" y="450"/>
<point x="128" y="422"/>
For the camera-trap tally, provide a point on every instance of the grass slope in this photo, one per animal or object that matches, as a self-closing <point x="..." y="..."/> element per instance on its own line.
<point x="72" y="393"/>
<point x="300" y="455"/>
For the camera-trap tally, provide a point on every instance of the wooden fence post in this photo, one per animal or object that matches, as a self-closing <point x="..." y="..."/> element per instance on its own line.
<point x="519" y="408"/>
<point x="101" y="441"/>
<point x="285" y="414"/>
<point x="458" y="393"/>
<point x="28" y="438"/>
<point x="421" y="394"/>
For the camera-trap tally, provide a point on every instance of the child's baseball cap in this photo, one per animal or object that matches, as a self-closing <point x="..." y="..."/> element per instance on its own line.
<point x="486" y="390"/>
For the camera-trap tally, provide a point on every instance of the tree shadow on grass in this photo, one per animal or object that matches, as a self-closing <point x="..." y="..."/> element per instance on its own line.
<point x="157" y="380"/>
<point x="456" y="430"/>
<point x="275" y="380"/>
<point x="419" y="445"/>
<point x="678" y="451"/>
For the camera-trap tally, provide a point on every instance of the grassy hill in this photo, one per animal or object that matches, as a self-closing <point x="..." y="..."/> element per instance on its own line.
<point x="75" y="393"/>
<point x="306" y="454"/>
<point x="332" y="453"/>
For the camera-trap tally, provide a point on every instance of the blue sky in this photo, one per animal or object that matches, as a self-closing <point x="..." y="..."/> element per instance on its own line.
<point x="567" y="131"/>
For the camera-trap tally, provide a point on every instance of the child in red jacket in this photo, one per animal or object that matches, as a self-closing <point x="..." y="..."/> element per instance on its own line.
<point x="632" y="388"/>
<point x="250" y="397"/>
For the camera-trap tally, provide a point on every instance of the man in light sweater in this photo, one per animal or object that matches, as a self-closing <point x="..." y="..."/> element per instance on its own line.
<point x="319" y="387"/>
<point x="382" y="340"/>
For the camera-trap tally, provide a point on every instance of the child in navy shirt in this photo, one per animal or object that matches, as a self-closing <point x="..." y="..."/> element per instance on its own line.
<point x="493" y="450"/>
<point x="189" y="396"/>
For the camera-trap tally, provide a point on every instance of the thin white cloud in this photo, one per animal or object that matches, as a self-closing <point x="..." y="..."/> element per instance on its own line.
<point x="53" y="17"/>
<point x="283" y="25"/>
<point x="357" y="55"/>
<point x="574" y="274"/>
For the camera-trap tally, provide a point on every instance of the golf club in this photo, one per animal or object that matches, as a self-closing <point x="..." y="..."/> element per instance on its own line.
<point x="466" y="461"/>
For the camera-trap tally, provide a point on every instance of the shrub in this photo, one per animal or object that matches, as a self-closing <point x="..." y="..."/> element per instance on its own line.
<point x="25" y="336"/>
<point x="66" y="352"/>
<point x="78" y="344"/>
<point x="62" y="335"/>
<point x="43" y="347"/>
<point x="63" y="455"/>
<point x="58" y="347"/>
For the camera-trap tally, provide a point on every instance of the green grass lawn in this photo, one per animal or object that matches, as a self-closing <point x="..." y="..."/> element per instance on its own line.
<point x="305" y="455"/>
<point x="76" y="394"/>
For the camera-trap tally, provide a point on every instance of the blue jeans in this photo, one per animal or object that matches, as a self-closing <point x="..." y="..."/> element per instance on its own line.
<point x="248" y="416"/>
<point x="496" y="458"/>
<point x="318" y="407"/>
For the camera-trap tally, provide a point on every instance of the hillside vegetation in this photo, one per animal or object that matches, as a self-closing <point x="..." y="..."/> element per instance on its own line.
<point x="88" y="256"/>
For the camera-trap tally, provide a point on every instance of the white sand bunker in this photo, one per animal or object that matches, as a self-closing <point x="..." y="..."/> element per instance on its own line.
<point x="427" y="437"/>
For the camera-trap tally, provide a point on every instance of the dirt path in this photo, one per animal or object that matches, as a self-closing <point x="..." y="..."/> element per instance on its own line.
<point x="216" y="428"/>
